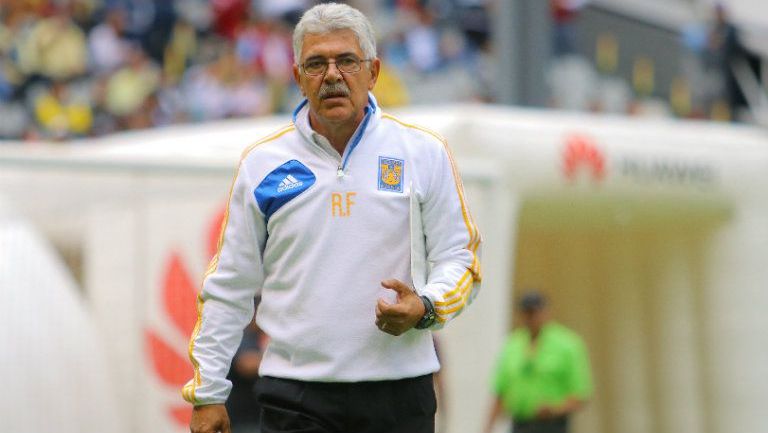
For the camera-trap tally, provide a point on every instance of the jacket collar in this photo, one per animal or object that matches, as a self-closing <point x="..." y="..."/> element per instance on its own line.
<point x="369" y="122"/>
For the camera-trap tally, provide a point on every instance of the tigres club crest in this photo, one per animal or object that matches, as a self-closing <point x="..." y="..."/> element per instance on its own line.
<point x="390" y="174"/>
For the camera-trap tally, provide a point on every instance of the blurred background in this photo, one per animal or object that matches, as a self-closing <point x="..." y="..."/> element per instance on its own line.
<point x="80" y="68"/>
<point x="614" y="153"/>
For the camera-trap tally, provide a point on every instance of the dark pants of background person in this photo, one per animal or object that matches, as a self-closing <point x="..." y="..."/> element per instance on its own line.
<point x="389" y="406"/>
<point x="556" y="425"/>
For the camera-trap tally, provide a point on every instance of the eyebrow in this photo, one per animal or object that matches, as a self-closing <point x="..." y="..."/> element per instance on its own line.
<point x="318" y="56"/>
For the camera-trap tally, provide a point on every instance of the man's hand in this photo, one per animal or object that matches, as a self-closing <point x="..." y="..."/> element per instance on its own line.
<point x="403" y="315"/>
<point x="547" y="412"/>
<point x="210" y="418"/>
<point x="569" y="406"/>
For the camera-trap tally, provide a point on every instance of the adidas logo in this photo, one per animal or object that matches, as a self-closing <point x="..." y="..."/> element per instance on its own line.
<point x="289" y="183"/>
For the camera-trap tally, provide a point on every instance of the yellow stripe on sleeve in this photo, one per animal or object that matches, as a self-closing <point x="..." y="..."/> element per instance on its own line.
<point x="446" y="304"/>
<point x="466" y="292"/>
<point x="475" y="238"/>
<point x="462" y="293"/>
<point x="188" y="391"/>
<point x="449" y="306"/>
<point x="455" y="290"/>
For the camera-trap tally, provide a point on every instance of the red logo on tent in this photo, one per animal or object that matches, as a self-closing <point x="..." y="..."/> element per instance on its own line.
<point x="170" y="362"/>
<point x="582" y="154"/>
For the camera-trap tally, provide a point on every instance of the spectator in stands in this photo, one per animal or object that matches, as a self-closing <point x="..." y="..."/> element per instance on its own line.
<point x="228" y="16"/>
<point x="249" y="94"/>
<point x="55" y="48"/>
<point x="543" y="374"/>
<point x="390" y="91"/>
<point x="180" y="51"/>
<point x="724" y="50"/>
<point x="14" y="121"/>
<point x="287" y="11"/>
<point x="564" y="13"/>
<point x="61" y="114"/>
<point x="474" y="22"/>
<point x="423" y="41"/>
<point x="83" y="13"/>
<point x="198" y="13"/>
<point x="170" y="107"/>
<point x="204" y="90"/>
<point x="433" y="45"/>
<point x="265" y="48"/>
<point x="16" y="22"/>
<point x="128" y="90"/>
<point x="140" y="14"/>
<point x="107" y="45"/>
<point x="156" y="37"/>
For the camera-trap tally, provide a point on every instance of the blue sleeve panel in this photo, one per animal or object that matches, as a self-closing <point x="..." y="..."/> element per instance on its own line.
<point x="282" y="185"/>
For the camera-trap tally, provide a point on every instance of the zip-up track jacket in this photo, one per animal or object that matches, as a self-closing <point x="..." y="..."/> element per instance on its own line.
<point x="314" y="233"/>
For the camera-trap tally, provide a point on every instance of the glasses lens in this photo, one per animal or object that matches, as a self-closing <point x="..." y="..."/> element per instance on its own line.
<point x="315" y="67"/>
<point x="348" y="64"/>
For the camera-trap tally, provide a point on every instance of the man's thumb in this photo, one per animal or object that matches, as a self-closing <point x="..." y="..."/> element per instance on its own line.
<point x="397" y="286"/>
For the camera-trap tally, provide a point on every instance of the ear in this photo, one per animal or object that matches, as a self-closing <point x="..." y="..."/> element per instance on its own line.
<point x="375" y="69"/>
<point x="297" y="79"/>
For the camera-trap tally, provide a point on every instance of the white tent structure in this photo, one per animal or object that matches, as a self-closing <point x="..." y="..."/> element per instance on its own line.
<point x="53" y="363"/>
<point x="650" y="237"/>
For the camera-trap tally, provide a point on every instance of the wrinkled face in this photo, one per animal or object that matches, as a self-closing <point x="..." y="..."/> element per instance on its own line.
<point x="335" y="97"/>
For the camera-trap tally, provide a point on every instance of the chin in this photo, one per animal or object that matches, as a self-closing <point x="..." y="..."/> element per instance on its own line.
<point x="337" y="114"/>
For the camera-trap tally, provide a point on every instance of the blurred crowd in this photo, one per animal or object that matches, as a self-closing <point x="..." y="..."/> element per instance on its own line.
<point x="704" y="83"/>
<point x="78" y="68"/>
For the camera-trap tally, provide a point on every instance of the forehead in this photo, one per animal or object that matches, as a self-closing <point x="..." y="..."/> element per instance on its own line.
<point x="330" y="44"/>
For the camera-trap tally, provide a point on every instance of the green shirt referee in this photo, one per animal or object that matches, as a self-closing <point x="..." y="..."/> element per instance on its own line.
<point x="543" y="373"/>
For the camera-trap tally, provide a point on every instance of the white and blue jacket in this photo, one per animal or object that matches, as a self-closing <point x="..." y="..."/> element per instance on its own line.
<point x="314" y="233"/>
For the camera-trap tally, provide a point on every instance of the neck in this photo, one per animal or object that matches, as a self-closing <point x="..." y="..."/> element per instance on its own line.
<point x="337" y="133"/>
<point x="536" y="331"/>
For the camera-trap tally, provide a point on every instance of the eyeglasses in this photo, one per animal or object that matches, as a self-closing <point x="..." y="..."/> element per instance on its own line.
<point x="345" y="64"/>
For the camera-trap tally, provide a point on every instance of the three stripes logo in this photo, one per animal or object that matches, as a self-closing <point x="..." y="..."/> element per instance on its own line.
<point x="289" y="183"/>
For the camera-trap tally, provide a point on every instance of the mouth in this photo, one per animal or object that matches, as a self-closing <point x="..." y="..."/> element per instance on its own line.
<point x="334" y="96"/>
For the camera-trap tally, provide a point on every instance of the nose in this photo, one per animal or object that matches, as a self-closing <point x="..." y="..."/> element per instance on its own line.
<point x="333" y="73"/>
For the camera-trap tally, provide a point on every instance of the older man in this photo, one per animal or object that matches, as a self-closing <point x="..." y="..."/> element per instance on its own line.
<point x="352" y="226"/>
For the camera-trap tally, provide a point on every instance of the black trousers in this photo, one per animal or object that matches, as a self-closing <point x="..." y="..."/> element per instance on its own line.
<point x="390" y="406"/>
<point x="555" y="425"/>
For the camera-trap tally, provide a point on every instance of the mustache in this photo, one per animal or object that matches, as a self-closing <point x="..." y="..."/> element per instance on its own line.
<point x="338" y="88"/>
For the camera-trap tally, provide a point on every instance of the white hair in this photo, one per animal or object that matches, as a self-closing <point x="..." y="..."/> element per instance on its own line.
<point x="327" y="17"/>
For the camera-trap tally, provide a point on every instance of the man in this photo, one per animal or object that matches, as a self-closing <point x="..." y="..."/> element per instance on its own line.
<point x="564" y="14"/>
<point x="543" y="374"/>
<point x="725" y="50"/>
<point x="334" y="220"/>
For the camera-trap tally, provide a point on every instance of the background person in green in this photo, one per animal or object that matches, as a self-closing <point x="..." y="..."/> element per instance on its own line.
<point x="543" y="373"/>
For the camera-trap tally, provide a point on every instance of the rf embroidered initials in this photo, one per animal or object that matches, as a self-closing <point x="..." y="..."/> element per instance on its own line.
<point x="341" y="204"/>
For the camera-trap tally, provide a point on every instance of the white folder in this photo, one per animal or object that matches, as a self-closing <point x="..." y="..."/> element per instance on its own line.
<point x="419" y="267"/>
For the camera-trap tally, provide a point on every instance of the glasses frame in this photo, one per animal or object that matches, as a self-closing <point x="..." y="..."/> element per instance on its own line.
<point x="333" y="60"/>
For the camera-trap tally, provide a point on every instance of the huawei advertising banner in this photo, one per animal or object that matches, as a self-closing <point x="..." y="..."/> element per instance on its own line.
<point x="147" y="259"/>
<point x="179" y="252"/>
